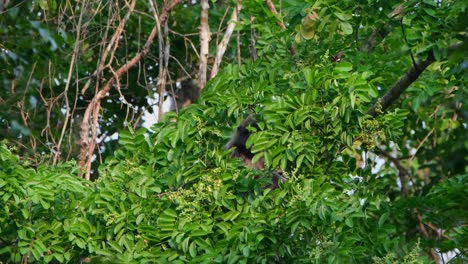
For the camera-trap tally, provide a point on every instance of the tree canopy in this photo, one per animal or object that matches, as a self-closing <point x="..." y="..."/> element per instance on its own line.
<point x="361" y="104"/>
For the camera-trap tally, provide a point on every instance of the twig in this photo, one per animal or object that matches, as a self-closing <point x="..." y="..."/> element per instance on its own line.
<point x="221" y="24"/>
<point x="421" y="143"/>
<point x="239" y="61"/>
<point x="402" y="172"/>
<point x="111" y="46"/>
<point x="25" y="259"/>
<point x="184" y="36"/>
<point x="67" y="86"/>
<point x="163" y="59"/>
<point x="403" y="32"/>
<point x="163" y="74"/>
<point x="432" y="253"/>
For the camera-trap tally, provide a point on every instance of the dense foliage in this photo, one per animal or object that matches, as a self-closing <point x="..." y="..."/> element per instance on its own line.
<point x="384" y="188"/>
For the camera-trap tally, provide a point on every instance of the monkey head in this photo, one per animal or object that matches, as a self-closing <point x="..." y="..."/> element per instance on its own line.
<point x="238" y="142"/>
<point x="239" y="138"/>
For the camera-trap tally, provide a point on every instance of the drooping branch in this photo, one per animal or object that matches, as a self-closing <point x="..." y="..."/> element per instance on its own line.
<point x="87" y="142"/>
<point x="405" y="81"/>
<point x="204" y="42"/>
<point x="221" y="49"/>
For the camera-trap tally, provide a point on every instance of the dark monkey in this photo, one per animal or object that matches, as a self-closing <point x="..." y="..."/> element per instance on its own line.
<point x="238" y="140"/>
<point x="188" y="93"/>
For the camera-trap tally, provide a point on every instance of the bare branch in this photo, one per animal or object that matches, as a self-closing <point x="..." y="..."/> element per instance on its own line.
<point x="87" y="144"/>
<point x="67" y="85"/>
<point x="221" y="49"/>
<point x="111" y="45"/>
<point x="404" y="82"/>
<point x="422" y="143"/>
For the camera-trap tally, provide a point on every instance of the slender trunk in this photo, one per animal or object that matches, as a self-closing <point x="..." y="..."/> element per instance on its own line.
<point x="221" y="49"/>
<point x="204" y="42"/>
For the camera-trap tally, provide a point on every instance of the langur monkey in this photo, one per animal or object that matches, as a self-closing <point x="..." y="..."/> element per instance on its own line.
<point x="238" y="140"/>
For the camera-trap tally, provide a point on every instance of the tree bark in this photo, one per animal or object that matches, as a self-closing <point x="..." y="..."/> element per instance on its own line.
<point x="204" y="42"/>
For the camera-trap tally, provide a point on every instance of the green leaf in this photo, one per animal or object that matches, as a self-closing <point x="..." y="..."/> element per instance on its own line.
<point x="246" y="251"/>
<point x="343" y="67"/>
<point x="342" y="16"/>
<point x="185" y="244"/>
<point x="383" y="218"/>
<point x="347" y="28"/>
<point x="225" y="227"/>
<point x="193" y="250"/>
<point x="139" y="219"/>
<point x="115" y="246"/>
<point x="309" y="76"/>
<point x="200" y="232"/>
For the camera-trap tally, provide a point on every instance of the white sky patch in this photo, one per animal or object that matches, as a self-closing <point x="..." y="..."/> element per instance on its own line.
<point x="362" y="201"/>
<point x="150" y="119"/>
<point x="379" y="162"/>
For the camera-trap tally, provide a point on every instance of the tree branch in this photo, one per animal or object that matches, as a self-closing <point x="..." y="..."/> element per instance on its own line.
<point x="404" y="82"/>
